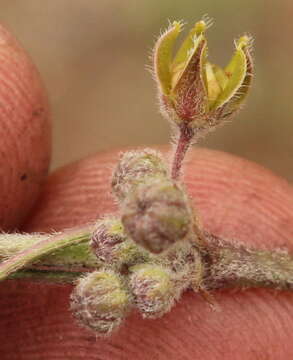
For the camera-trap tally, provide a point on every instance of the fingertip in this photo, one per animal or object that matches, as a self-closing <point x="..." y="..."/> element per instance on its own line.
<point x="250" y="325"/>
<point x="239" y="199"/>
<point x="25" y="132"/>
<point x="76" y="194"/>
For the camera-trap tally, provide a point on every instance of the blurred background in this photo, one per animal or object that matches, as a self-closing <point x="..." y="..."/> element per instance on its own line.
<point x="92" y="55"/>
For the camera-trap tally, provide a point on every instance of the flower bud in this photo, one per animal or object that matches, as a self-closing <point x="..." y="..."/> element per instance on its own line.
<point x="100" y="302"/>
<point x="179" y="257"/>
<point x="192" y="90"/>
<point x="111" y="245"/>
<point x="157" y="214"/>
<point x="134" y="168"/>
<point x="185" y="263"/>
<point x="153" y="289"/>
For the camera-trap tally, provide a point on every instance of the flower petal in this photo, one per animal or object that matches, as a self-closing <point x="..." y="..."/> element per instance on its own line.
<point x="221" y="76"/>
<point x="216" y="82"/>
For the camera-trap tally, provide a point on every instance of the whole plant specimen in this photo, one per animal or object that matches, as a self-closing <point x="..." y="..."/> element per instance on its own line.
<point x="155" y="248"/>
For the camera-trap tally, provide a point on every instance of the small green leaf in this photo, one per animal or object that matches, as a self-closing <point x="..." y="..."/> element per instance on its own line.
<point x="163" y="56"/>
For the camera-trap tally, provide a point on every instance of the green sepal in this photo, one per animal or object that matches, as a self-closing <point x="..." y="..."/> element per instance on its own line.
<point x="187" y="45"/>
<point x="243" y="90"/>
<point x="236" y="72"/>
<point x="187" y="73"/>
<point x="163" y="56"/>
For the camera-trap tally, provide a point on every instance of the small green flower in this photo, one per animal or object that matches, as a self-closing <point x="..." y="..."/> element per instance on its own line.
<point x="194" y="91"/>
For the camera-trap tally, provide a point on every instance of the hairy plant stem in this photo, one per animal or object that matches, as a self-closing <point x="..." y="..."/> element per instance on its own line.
<point x="229" y="265"/>
<point x="62" y="258"/>
<point x="186" y="134"/>
<point x="45" y="246"/>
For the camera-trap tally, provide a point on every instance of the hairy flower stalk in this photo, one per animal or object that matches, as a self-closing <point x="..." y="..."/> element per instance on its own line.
<point x="184" y="140"/>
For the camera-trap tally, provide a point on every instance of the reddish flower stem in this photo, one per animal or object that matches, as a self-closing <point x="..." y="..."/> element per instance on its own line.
<point x="184" y="141"/>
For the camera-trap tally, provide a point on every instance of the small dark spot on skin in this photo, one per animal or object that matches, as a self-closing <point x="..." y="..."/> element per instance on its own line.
<point x="23" y="177"/>
<point x="37" y="112"/>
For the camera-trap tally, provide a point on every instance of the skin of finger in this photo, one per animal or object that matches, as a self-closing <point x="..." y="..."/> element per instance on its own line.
<point x="235" y="199"/>
<point x="25" y="133"/>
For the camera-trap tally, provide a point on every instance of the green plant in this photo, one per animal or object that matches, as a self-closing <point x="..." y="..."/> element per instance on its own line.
<point x="155" y="248"/>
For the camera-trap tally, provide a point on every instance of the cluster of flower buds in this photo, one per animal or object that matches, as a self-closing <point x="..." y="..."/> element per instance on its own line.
<point x="149" y="256"/>
<point x="193" y="91"/>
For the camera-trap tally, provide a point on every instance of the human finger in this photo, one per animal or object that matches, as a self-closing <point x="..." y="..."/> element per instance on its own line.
<point x="25" y="133"/>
